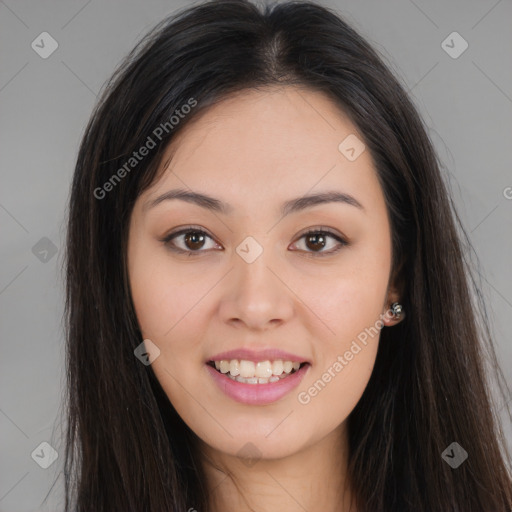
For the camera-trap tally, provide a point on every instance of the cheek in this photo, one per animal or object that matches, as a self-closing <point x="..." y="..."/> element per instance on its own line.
<point x="349" y="305"/>
<point x="328" y="398"/>
<point x="163" y="297"/>
<point x="171" y="307"/>
<point x="346" y="300"/>
<point x="345" y="354"/>
<point x="151" y="298"/>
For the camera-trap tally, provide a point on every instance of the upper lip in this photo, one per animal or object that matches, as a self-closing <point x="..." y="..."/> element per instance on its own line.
<point x="270" y="354"/>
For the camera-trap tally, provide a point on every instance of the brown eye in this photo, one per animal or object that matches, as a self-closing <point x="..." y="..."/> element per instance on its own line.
<point x="189" y="241"/>
<point x="194" y="240"/>
<point x="317" y="240"/>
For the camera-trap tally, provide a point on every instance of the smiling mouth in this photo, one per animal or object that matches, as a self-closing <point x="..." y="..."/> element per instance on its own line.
<point x="260" y="372"/>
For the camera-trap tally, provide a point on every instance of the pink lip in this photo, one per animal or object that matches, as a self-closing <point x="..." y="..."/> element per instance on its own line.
<point x="261" y="355"/>
<point x="257" y="394"/>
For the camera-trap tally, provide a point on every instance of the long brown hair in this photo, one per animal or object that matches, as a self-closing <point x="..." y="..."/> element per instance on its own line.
<point x="126" y="447"/>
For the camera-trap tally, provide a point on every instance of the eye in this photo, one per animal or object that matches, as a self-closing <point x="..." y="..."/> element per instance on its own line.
<point x="191" y="239"/>
<point x="317" y="240"/>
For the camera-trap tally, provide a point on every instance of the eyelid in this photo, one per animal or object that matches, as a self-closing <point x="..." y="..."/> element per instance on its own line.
<point x="323" y="229"/>
<point x="185" y="228"/>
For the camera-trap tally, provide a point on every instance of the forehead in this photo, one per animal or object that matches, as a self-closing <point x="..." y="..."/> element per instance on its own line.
<point x="260" y="144"/>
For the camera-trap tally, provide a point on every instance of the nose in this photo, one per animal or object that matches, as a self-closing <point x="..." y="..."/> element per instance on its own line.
<point x="256" y="295"/>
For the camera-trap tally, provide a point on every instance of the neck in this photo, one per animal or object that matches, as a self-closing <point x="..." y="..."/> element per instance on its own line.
<point x="313" y="479"/>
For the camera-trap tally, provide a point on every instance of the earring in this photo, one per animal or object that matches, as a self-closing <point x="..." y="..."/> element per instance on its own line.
<point x="396" y="309"/>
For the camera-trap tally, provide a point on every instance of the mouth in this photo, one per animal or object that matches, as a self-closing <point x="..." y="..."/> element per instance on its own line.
<point x="257" y="382"/>
<point x="257" y="372"/>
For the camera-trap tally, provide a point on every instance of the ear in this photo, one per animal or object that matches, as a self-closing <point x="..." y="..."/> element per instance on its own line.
<point x="394" y="294"/>
<point x="388" y="318"/>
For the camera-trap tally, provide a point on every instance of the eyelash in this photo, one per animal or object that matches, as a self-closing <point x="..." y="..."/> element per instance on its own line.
<point x="195" y="229"/>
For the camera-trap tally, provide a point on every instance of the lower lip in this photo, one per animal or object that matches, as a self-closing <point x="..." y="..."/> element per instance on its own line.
<point x="257" y="394"/>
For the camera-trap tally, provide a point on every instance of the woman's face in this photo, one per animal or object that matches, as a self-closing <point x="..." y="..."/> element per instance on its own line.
<point x="241" y="276"/>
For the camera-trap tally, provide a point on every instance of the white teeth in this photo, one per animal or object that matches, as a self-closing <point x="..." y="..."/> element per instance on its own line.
<point x="277" y="367"/>
<point x="252" y="380"/>
<point x="261" y="372"/>
<point x="264" y="369"/>
<point x="256" y="380"/>
<point x="234" y="367"/>
<point x="247" y="368"/>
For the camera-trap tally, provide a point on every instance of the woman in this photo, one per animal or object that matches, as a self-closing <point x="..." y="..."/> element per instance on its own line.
<point x="268" y="302"/>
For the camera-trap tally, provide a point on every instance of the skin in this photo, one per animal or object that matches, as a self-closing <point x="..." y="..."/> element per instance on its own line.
<point x="256" y="150"/>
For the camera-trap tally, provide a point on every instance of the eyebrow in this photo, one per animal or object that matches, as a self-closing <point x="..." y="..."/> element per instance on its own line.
<point x="288" y="207"/>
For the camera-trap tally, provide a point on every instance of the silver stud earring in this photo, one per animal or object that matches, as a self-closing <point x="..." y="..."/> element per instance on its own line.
<point x="396" y="309"/>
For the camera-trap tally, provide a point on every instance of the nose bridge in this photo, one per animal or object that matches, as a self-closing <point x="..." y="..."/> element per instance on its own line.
<point x="252" y="261"/>
<point x="256" y="295"/>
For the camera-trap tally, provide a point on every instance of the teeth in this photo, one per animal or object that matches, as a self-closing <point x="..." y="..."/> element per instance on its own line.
<point x="247" y="369"/>
<point x="234" y="367"/>
<point x="256" y="380"/>
<point x="277" y="367"/>
<point x="252" y="380"/>
<point x="264" y="369"/>
<point x="261" y="372"/>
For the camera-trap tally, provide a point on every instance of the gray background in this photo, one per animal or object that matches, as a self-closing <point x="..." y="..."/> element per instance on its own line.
<point x="466" y="103"/>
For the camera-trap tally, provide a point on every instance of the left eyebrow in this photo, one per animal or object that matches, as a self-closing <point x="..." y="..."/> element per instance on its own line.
<point x="301" y="203"/>
<point x="288" y="207"/>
